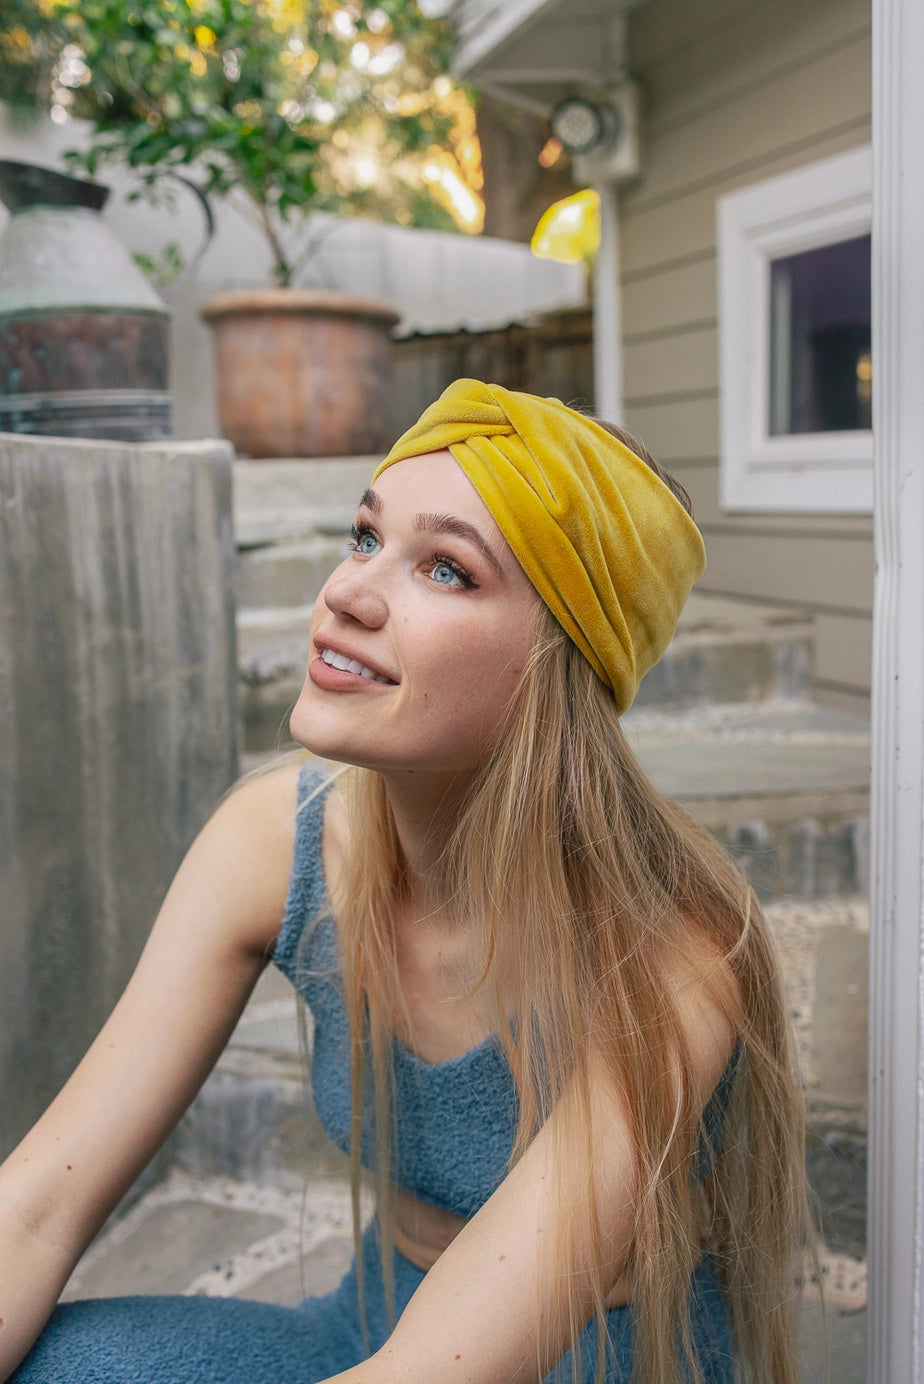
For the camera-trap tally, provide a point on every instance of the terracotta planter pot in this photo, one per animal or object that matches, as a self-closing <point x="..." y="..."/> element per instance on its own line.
<point x="301" y="372"/>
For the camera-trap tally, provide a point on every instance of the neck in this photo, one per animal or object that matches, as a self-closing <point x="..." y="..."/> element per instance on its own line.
<point x="426" y="809"/>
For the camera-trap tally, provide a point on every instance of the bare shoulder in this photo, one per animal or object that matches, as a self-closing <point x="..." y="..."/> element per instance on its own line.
<point x="708" y="999"/>
<point x="267" y="795"/>
<point x="242" y="857"/>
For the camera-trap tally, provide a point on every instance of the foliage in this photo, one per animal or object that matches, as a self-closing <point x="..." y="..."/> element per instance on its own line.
<point x="30" y="40"/>
<point x="296" y="104"/>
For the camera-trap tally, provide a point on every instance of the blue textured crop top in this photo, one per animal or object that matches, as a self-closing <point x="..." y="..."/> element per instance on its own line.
<point x="454" y="1121"/>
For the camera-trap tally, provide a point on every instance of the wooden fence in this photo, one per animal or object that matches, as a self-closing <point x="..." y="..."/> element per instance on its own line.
<point x="551" y="356"/>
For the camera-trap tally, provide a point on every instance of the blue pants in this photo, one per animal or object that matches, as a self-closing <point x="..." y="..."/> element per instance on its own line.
<point x="200" y="1340"/>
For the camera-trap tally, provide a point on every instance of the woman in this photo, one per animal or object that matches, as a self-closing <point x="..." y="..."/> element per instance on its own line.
<point x="546" y="1007"/>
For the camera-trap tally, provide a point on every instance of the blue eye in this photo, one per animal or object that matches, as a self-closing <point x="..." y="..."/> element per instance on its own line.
<point x="447" y="573"/>
<point x="363" y="541"/>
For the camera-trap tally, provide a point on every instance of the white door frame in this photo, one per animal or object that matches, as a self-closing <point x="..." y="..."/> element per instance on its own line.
<point x="896" y="1148"/>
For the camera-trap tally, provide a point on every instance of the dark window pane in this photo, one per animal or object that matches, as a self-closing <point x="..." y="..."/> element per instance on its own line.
<point x="820" y="364"/>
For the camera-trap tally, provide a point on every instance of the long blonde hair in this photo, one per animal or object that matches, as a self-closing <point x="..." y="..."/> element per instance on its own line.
<point x="600" y="879"/>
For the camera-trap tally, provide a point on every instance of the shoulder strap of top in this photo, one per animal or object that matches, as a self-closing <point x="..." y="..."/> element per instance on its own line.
<point x="307" y="896"/>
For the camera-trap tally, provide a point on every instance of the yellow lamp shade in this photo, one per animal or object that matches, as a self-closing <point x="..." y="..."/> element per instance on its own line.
<point x="570" y="230"/>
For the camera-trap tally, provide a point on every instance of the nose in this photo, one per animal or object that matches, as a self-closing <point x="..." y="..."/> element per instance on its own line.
<point x="351" y="594"/>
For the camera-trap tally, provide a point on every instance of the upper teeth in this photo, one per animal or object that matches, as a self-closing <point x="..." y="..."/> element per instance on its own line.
<point x="351" y="665"/>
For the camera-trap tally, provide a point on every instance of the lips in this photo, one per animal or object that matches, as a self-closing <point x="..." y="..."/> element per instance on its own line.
<point x="351" y="665"/>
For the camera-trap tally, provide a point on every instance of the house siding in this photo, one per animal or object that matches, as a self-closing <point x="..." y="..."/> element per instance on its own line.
<point x="733" y="93"/>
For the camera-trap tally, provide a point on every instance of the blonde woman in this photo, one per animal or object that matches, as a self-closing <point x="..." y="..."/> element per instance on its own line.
<point x="547" y="1012"/>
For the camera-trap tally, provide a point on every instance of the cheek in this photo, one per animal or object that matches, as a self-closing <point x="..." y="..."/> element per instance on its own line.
<point x="479" y="673"/>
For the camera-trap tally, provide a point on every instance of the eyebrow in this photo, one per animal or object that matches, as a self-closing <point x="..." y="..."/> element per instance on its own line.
<point x="445" y="523"/>
<point x="441" y="523"/>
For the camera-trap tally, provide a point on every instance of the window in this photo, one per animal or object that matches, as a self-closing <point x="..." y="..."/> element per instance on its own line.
<point x="820" y="364"/>
<point x="794" y="331"/>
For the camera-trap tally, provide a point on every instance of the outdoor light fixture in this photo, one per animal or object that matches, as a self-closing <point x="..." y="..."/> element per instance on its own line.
<point x="583" y="126"/>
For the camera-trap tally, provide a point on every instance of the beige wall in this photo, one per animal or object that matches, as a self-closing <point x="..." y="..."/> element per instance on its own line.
<point x="734" y="92"/>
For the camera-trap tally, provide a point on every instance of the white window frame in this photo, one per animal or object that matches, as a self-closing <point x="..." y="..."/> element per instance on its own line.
<point x="826" y="473"/>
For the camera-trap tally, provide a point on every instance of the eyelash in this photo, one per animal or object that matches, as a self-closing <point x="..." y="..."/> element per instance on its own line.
<point x="467" y="580"/>
<point x="359" y="531"/>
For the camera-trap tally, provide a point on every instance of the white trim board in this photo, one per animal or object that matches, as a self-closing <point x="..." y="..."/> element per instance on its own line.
<point x="896" y="1111"/>
<point x="822" y="473"/>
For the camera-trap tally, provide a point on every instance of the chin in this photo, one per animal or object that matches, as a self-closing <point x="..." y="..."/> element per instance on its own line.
<point x="306" y="729"/>
<point x="300" y="723"/>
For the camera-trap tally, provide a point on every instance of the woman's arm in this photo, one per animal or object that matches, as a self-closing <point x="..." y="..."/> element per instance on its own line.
<point x="206" y="950"/>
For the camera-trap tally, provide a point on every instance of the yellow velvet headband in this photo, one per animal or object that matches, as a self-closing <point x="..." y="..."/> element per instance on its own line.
<point x="609" y="548"/>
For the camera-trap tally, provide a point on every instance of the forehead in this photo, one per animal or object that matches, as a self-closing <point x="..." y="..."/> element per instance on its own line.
<point x="430" y="472"/>
<point x="432" y="481"/>
<point x="434" y="494"/>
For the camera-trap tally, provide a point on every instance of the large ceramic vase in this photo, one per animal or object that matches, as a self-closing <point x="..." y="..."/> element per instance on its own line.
<point x="302" y="372"/>
<point x="83" y="335"/>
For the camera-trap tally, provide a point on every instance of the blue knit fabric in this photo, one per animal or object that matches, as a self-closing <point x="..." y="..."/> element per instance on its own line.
<point x="198" y="1340"/>
<point x="458" y="1117"/>
<point x="462" y="1115"/>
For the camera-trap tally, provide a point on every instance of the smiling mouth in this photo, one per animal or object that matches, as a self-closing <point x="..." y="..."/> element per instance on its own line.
<point x="351" y="665"/>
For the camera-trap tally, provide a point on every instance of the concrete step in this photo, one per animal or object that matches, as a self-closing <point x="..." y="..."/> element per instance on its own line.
<point x="286" y="500"/>
<point x="729" y="650"/>
<point x="287" y="574"/>
<point x="291" y="521"/>
<point x="784" y="786"/>
<point x="254" y="1120"/>
<point x="724" y="650"/>
<point x="272" y="652"/>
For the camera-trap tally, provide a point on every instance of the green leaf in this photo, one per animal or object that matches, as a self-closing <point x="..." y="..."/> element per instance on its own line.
<point x="158" y="102"/>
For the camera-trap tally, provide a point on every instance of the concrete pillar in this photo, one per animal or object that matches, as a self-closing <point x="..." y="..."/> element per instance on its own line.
<point x="118" y="724"/>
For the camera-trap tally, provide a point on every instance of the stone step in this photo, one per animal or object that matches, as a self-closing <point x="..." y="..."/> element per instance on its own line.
<point x="728" y="650"/>
<point x="220" y="1237"/>
<point x="784" y="785"/>
<point x="281" y="501"/>
<point x="272" y="653"/>
<point x="254" y="1120"/>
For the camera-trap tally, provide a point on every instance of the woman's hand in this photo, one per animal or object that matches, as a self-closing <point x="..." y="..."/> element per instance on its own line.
<point x="208" y="945"/>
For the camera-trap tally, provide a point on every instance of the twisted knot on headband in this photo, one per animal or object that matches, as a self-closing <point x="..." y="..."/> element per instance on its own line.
<point x="608" y="546"/>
